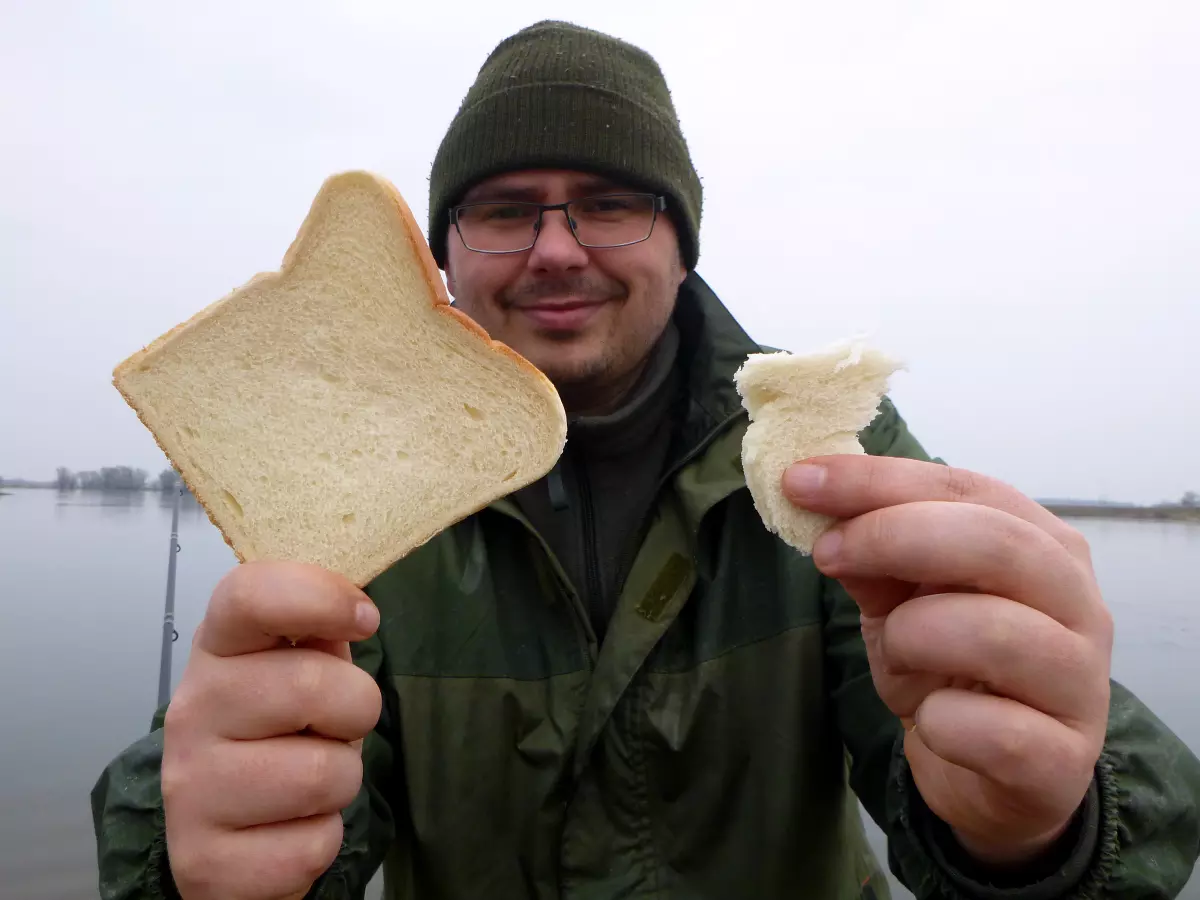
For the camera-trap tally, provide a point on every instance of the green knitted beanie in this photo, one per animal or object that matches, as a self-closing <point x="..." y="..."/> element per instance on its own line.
<point x="555" y="95"/>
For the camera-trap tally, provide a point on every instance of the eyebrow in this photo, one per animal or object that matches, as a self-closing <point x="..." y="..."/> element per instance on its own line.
<point x="522" y="193"/>
<point x="502" y="192"/>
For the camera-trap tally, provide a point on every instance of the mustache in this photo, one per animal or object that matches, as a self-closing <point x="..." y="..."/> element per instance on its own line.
<point x="588" y="288"/>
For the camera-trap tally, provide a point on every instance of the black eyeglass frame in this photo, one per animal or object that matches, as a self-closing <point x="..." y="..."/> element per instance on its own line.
<point x="660" y="205"/>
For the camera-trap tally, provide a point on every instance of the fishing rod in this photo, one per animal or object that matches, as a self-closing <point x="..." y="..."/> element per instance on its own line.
<point x="169" y="635"/>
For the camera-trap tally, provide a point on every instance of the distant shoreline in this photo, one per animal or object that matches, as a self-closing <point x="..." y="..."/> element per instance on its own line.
<point x="28" y="486"/>
<point x="1161" y="513"/>
<point x="8" y="488"/>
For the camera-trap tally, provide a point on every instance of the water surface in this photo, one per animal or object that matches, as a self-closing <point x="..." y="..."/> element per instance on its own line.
<point x="82" y="579"/>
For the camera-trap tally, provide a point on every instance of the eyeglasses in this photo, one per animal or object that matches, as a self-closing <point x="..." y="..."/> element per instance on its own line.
<point x="606" y="220"/>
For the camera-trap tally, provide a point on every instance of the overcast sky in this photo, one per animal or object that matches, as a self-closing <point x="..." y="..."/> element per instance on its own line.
<point x="1006" y="195"/>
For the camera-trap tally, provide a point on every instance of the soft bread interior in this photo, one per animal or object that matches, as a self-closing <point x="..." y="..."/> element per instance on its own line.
<point x="339" y="411"/>
<point x="802" y="406"/>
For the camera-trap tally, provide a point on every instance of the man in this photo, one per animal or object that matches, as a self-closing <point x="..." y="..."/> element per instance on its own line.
<point x="616" y="682"/>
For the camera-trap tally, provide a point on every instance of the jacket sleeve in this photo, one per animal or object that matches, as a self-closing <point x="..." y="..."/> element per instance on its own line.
<point x="1137" y="833"/>
<point x="127" y="813"/>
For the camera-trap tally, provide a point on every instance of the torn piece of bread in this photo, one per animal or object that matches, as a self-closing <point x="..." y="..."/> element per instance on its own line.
<point x="340" y="411"/>
<point x="802" y="406"/>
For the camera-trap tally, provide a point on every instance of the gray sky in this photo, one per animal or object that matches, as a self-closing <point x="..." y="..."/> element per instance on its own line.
<point x="1006" y="195"/>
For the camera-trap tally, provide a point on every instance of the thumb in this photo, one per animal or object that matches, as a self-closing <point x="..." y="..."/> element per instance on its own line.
<point x="261" y="605"/>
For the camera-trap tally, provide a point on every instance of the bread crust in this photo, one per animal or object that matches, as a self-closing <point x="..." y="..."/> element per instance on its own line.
<point x="295" y="252"/>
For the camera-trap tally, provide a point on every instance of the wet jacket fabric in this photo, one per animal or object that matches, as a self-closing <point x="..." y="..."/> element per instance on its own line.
<point x="706" y="738"/>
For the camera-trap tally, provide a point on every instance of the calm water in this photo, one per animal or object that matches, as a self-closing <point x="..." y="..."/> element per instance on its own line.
<point x="81" y="595"/>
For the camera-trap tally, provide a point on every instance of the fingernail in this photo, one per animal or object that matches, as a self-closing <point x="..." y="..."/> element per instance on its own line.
<point x="366" y="617"/>
<point x="825" y="550"/>
<point x="804" y="478"/>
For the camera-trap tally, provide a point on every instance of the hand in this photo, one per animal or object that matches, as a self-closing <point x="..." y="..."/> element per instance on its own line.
<point x="986" y="635"/>
<point x="262" y="740"/>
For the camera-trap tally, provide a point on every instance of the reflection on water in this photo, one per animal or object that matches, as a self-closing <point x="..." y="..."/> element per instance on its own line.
<point x="82" y="583"/>
<point x="129" y="500"/>
<point x="107" y="499"/>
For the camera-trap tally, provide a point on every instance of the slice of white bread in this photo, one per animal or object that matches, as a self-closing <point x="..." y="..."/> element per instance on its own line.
<point x="340" y="411"/>
<point x="802" y="406"/>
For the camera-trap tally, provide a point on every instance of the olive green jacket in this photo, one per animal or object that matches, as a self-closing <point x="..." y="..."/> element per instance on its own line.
<point x="713" y="747"/>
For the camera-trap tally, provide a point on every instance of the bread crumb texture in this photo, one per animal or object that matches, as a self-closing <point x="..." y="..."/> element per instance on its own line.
<point x="802" y="406"/>
<point x="338" y="412"/>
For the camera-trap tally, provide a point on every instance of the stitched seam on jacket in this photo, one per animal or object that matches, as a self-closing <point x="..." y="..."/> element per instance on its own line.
<point x="651" y="858"/>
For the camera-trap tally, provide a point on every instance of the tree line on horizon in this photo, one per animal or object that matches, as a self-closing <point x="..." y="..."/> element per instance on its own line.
<point x="108" y="478"/>
<point x="128" y="478"/>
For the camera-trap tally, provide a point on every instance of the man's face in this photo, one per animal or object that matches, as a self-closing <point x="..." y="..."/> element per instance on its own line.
<point x="586" y="317"/>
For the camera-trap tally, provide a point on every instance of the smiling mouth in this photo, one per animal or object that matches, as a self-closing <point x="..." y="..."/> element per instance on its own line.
<point x="564" y="305"/>
<point x="568" y="315"/>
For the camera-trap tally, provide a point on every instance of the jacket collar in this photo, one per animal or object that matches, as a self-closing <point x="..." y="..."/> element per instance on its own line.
<point x="706" y="453"/>
<point x="712" y="348"/>
<point x="709" y="349"/>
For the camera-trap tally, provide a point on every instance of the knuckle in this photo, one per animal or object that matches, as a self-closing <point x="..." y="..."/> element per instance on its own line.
<point x="233" y="596"/>
<point x="870" y="478"/>
<point x="321" y="848"/>
<point x="1078" y="656"/>
<point x="304" y="856"/>
<point x="1075" y="542"/>
<point x="202" y="694"/>
<point x="197" y="865"/>
<point x="178" y="772"/>
<point x="1074" y="660"/>
<point x="314" y="768"/>
<point x="1013" y="747"/>
<point x="192" y="777"/>
<point x="1020" y="546"/>
<point x="182" y="709"/>
<point x="881" y="531"/>
<point x="1068" y="762"/>
<point x="1000" y="631"/>
<point x="308" y="676"/>
<point x="188" y="863"/>
<point x="329" y="777"/>
<point x="1081" y="755"/>
<point x="173" y="782"/>
<point x="896" y="635"/>
<point x="1105" y="625"/>
<point x="345" y="787"/>
<point x="960" y="484"/>
<point x="366" y="698"/>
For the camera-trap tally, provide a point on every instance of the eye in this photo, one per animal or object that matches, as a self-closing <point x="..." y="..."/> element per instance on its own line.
<point x="497" y="214"/>
<point x="507" y="212"/>
<point x="601" y="205"/>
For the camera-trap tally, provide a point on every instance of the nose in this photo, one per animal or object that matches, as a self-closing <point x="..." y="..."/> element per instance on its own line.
<point x="556" y="249"/>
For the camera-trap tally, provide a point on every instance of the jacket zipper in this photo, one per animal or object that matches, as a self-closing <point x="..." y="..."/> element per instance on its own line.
<point x="577" y="595"/>
<point x="579" y="600"/>
<point x="590" y="559"/>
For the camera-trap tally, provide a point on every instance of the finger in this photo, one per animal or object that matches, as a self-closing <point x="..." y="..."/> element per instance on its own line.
<point x="887" y="593"/>
<point x="901" y="693"/>
<point x="258" y="605"/>
<point x="1013" y="649"/>
<point x="848" y="485"/>
<point x="280" y="692"/>
<point x="1038" y="759"/>
<point x="279" y="861"/>
<point x="340" y="649"/>
<point x="277" y="779"/>
<point x="975" y="547"/>
<point x="876" y="593"/>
